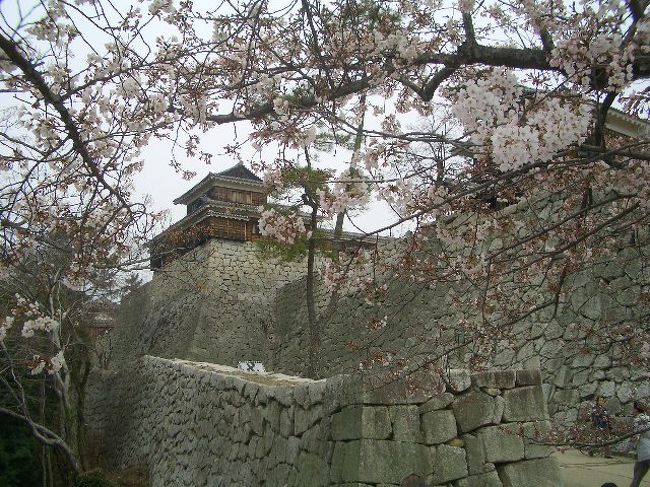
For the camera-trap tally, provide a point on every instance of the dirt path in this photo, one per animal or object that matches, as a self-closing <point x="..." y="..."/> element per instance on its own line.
<point x="580" y="470"/>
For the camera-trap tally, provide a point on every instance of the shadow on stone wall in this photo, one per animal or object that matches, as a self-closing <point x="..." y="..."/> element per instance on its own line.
<point x="196" y="423"/>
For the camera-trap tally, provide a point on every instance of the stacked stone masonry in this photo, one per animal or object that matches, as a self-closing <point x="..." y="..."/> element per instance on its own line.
<point x="224" y="303"/>
<point x="199" y="424"/>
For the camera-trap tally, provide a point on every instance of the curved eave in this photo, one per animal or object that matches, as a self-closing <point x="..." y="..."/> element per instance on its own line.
<point x="212" y="210"/>
<point x="212" y="180"/>
<point x="626" y="125"/>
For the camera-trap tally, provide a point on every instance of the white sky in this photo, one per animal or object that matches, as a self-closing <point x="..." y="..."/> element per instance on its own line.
<point x="159" y="180"/>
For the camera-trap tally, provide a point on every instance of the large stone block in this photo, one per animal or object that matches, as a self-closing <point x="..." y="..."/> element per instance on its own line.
<point x="439" y="401"/>
<point x="528" y="377"/>
<point x="498" y="379"/>
<point x="475" y="454"/>
<point x="356" y="422"/>
<point x="378" y="461"/>
<point x="305" y="418"/>
<point x="438" y="426"/>
<point x="473" y="410"/>
<point x="525" y="404"/>
<point x="449" y="463"/>
<point x="312" y="470"/>
<point x="534" y="435"/>
<point x="489" y="479"/>
<point x="406" y="423"/>
<point x="458" y="380"/>
<point x="501" y="444"/>
<point x="531" y="473"/>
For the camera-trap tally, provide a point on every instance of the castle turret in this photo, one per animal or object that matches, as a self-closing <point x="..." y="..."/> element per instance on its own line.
<point x="224" y="205"/>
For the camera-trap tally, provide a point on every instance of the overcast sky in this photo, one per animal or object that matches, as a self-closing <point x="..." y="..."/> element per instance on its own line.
<point x="159" y="180"/>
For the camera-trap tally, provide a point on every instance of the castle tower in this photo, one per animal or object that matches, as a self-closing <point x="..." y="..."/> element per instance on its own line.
<point x="224" y="205"/>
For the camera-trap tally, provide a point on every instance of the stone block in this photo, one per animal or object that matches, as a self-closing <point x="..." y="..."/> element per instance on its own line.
<point x="602" y="362"/>
<point x="312" y="470"/>
<point x="378" y="461"/>
<point x="525" y="404"/>
<point x="489" y="479"/>
<point x="438" y="426"/>
<point x="497" y="379"/>
<point x="406" y="423"/>
<point x="458" y="380"/>
<point x="314" y="440"/>
<point x="286" y="422"/>
<point x="356" y="422"/>
<point x="587" y="390"/>
<point x="560" y="377"/>
<point x="284" y="395"/>
<point x="449" y="464"/>
<point x="607" y="388"/>
<point x="528" y="377"/>
<point x="475" y="454"/>
<point x="439" y="401"/>
<point x="378" y="390"/>
<point x="533" y="434"/>
<point x="624" y="392"/>
<point x="413" y="481"/>
<point x="301" y="395"/>
<point x="473" y="410"/>
<point x="582" y="359"/>
<point x="317" y="391"/>
<point x="617" y="374"/>
<point x="305" y="418"/>
<point x="501" y="444"/>
<point x="531" y="473"/>
<point x="271" y="414"/>
<point x="499" y="408"/>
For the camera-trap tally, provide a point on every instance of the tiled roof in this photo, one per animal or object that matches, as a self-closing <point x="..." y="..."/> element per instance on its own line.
<point x="240" y="172"/>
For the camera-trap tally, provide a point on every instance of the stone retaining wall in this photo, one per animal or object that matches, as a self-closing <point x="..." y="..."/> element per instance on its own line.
<point x="196" y="424"/>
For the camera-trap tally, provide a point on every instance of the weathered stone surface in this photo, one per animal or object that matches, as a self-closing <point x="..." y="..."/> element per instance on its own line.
<point x="449" y="463"/>
<point x="406" y="423"/>
<point x="475" y="454"/>
<point x="286" y="422"/>
<point x="524" y="404"/>
<point x="305" y="418"/>
<point x="475" y="409"/>
<point x="356" y="422"/>
<point x="499" y="408"/>
<point x="501" y="444"/>
<point x="314" y="470"/>
<point x="378" y="461"/>
<point x="534" y="434"/>
<point x="439" y="401"/>
<point x="458" y="380"/>
<point x="530" y="473"/>
<point x="529" y="377"/>
<point x="438" y="426"/>
<point x="244" y="435"/>
<point x="490" y="479"/>
<point x="498" y="379"/>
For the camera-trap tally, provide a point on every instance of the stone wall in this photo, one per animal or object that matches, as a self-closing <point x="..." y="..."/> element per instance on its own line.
<point x="224" y="303"/>
<point x="213" y="304"/>
<point x="195" y="424"/>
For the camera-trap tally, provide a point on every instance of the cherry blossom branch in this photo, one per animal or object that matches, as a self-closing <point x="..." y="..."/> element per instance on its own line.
<point x="32" y="74"/>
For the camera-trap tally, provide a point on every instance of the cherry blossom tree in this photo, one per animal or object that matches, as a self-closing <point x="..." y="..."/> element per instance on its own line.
<point x="520" y="95"/>
<point x="520" y="99"/>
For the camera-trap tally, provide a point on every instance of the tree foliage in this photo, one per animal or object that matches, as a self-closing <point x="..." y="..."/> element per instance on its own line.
<point x="521" y="100"/>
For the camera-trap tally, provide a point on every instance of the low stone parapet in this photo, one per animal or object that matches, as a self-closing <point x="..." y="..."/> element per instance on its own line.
<point x="197" y="424"/>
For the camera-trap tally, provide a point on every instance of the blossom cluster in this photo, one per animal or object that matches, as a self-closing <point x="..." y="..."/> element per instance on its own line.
<point x="51" y="365"/>
<point x="35" y="320"/>
<point x="349" y="192"/>
<point x="514" y="129"/>
<point x="285" y="229"/>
